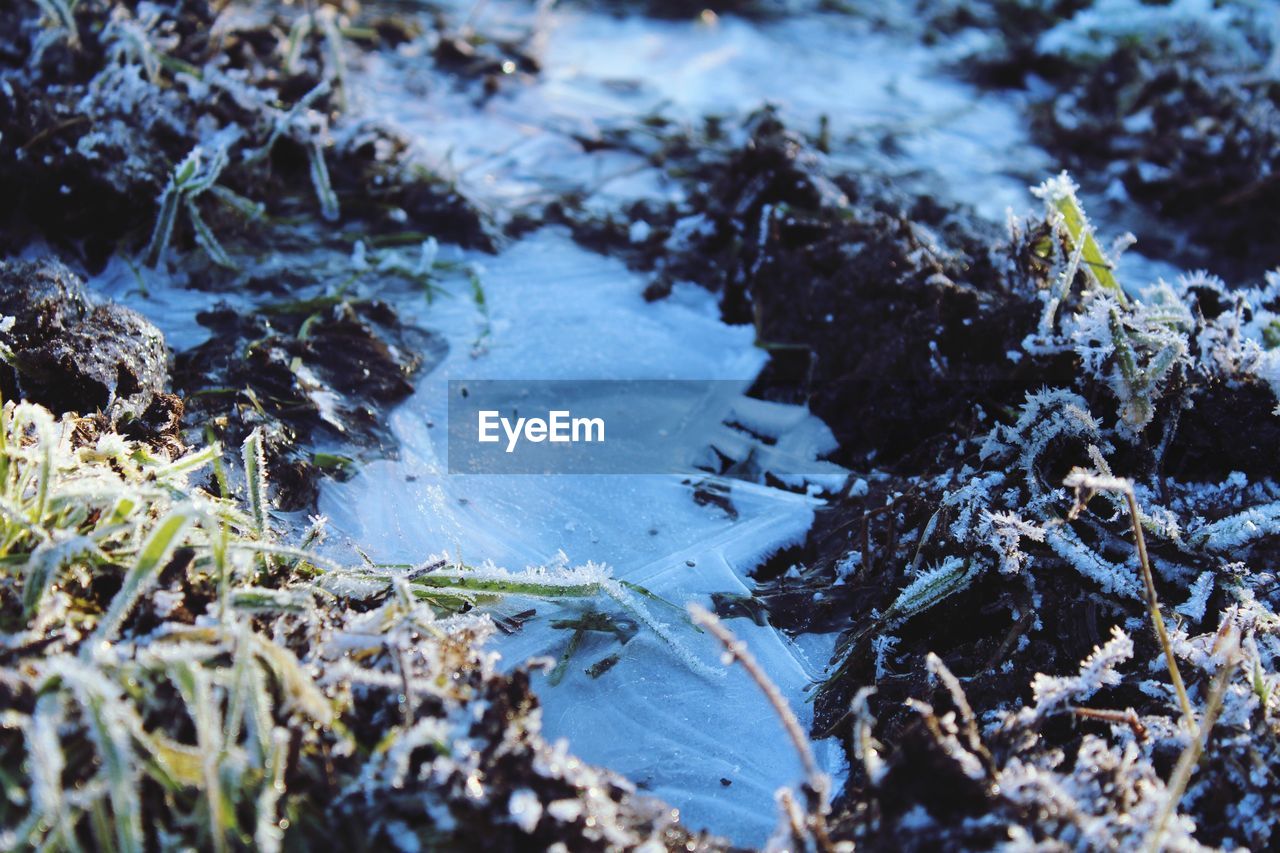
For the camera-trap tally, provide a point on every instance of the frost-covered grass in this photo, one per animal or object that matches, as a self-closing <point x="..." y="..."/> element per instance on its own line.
<point x="206" y="125"/>
<point x="176" y="674"/>
<point x="1157" y="349"/>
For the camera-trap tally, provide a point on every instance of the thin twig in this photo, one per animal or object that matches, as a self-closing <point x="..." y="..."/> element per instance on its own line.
<point x="407" y="708"/>
<point x="865" y="746"/>
<point x="795" y="817"/>
<point x="1086" y="483"/>
<point x="815" y="781"/>
<point x="738" y="651"/>
<point x="52" y="130"/>
<point x="1228" y="646"/>
<point x="937" y="668"/>
<point x="1127" y="717"/>
<point x="1153" y="605"/>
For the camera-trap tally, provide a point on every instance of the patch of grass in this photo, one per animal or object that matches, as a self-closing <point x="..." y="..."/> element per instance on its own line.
<point x="175" y="672"/>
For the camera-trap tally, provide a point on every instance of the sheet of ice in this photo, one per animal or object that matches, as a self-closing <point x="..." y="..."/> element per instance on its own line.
<point x="557" y="311"/>
<point x="891" y="103"/>
<point x="600" y="69"/>
<point x="711" y="749"/>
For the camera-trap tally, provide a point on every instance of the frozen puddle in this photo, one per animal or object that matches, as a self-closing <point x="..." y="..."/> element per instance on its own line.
<point x="698" y="736"/>
<point x="889" y="102"/>
<point x="707" y="744"/>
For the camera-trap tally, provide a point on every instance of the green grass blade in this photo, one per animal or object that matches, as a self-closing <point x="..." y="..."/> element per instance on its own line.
<point x="151" y="559"/>
<point x="255" y="472"/>
<point x="1060" y="194"/>
<point x="512" y="586"/>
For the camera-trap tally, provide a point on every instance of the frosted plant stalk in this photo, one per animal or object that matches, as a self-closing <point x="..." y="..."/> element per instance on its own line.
<point x="1228" y="645"/>
<point x="1084" y="483"/>
<point x="816" y="781"/>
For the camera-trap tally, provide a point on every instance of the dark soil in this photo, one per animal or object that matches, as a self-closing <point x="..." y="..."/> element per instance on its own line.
<point x="1196" y="143"/>
<point x="1187" y="125"/>
<point x="87" y="146"/>
<point x="497" y="62"/>
<point x="893" y="317"/>
<point x="859" y="291"/>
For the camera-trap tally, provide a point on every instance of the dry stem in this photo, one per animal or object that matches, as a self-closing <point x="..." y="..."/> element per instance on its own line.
<point x="1153" y="605"/>
<point x="1086" y="483"/>
<point x="1228" y="646"/>
<point x="815" y="780"/>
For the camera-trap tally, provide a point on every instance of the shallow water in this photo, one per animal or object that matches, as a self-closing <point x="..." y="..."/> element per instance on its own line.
<point x="707" y="744"/>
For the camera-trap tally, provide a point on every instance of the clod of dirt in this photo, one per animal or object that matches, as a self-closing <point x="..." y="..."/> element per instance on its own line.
<point x="303" y="371"/>
<point x="1199" y="149"/>
<point x="378" y="183"/>
<point x="966" y="374"/>
<point x="512" y="754"/>
<point x="72" y="354"/>
<point x="1182" y="113"/>
<point x="470" y="55"/>
<point x="888" y="315"/>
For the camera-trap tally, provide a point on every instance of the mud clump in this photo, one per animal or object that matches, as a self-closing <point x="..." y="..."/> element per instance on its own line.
<point x="496" y="61"/>
<point x="72" y="354"/>
<point x="510" y="757"/>
<point x="970" y="377"/>
<point x="860" y="293"/>
<point x="303" y="372"/>
<point x="1196" y="144"/>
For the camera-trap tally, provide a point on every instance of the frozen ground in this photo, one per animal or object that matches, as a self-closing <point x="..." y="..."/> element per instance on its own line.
<point x="707" y="744"/>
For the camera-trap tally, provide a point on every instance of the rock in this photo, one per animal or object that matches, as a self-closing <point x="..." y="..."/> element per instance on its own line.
<point x="73" y="354"/>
